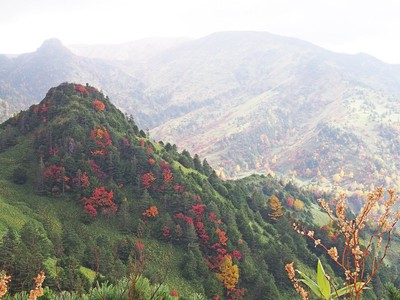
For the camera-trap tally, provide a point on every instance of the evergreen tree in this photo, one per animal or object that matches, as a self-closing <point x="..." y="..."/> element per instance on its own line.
<point x="256" y="200"/>
<point x="189" y="265"/>
<point x="207" y="168"/>
<point x="8" y="249"/>
<point x="34" y="249"/>
<point x="73" y="244"/>
<point x="197" y="163"/>
<point x="71" y="279"/>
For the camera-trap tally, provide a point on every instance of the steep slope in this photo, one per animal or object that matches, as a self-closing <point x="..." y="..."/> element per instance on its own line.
<point x="257" y="102"/>
<point x="248" y="101"/>
<point x="25" y="78"/>
<point x="104" y="201"/>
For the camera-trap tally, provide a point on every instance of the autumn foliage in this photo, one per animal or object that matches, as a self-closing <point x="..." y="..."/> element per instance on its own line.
<point x="98" y="105"/>
<point x="33" y="294"/>
<point x="38" y="290"/>
<point x="147" y="180"/>
<point x="81" y="181"/>
<point x="102" y="138"/>
<point x="100" y="199"/>
<point x="228" y="273"/>
<point x="298" y="204"/>
<point x="54" y="172"/>
<point x="4" y="281"/>
<point x="275" y="208"/>
<point x="79" y="151"/>
<point x="151" y="212"/>
<point x="354" y="253"/>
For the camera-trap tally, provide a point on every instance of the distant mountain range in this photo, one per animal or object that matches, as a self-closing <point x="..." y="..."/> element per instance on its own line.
<point x="136" y="51"/>
<point x="248" y="101"/>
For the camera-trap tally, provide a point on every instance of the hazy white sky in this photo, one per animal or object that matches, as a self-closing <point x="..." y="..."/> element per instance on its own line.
<point x="350" y="26"/>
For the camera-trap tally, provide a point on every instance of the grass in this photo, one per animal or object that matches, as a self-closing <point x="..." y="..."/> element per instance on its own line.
<point x="177" y="165"/>
<point x="11" y="217"/>
<point x="88" y="273"/>
<point x="320" y="218"/>
<point x="14" y="211"/>
<point x="163" y="260"/>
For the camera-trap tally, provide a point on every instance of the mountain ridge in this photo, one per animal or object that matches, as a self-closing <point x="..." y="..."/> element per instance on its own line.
<point x="219" y="94"/>
<point x="82" y="177"/>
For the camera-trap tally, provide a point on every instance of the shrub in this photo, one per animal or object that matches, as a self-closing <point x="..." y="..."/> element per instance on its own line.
<point x="19" y="175"/>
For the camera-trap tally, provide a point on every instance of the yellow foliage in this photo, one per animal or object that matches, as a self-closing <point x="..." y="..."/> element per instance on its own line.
<point x="336" y="177"/>
<point x="275" y="208"/>
<point x="228" y="273"/>
<point x="221" y="173"/>
<point x="298" y="204"/>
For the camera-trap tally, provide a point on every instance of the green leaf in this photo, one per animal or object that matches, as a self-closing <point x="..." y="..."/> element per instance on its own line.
<point x="345" y="290"/>
<point x="310" y="283"/>
<point x="323" y="282"/>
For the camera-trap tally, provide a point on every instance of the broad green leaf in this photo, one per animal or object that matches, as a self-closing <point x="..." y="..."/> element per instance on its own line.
<point x="310" y="283"/>
<point x="345" y="290"/>
<point x="323" y="282"/>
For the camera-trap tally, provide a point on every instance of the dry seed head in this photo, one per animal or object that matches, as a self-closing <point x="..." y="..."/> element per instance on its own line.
<point x="4" y="280"/>
<point x="333" y="253"/>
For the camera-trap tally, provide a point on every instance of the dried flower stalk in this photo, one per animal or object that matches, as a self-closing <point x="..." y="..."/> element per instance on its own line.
<point x="353" y="257"/>
<point x="38" y="290"/>
<point x="4" y="280"/>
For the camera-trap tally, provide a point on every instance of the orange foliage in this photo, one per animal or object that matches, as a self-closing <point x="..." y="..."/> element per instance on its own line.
<point x="147" y="179"/>
<point x="222" y="236"/>
<point x="168" y="177"/>
<point x="38" y="290"/>
<point x="151" y="212"/>
<point x="289" y="202"/>
<point x="98" y="105"/>
<point x="103" y="140"/>
<point x="80" y="88"/>
<point x="4" y="280"/>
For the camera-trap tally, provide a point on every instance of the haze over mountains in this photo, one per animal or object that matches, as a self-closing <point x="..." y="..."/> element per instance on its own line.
<point x="248" y="101"/>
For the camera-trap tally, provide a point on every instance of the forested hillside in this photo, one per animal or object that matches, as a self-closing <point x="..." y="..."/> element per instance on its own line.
<point x="87" y="197"/>
<point x="247" y="101"/>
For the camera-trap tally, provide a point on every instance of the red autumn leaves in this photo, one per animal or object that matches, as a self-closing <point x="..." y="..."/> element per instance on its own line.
<point x="214" y="246"/>
<point x="149" y="179"/>
<point x="100" y="201"/>
<point x="102" y="138"/>
<point x="98" y="105"/>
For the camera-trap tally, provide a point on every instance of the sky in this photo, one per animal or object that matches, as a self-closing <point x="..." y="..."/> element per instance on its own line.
<point x="347" y="26"/>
